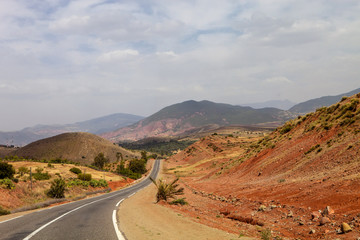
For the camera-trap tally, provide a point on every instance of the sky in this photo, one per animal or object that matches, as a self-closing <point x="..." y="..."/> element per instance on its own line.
<point x="65" y="61"/>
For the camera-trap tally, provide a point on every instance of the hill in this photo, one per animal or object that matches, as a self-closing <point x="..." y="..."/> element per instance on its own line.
<point x="76" y="147"/>
<point x="283" y="181"/>
<point x="95" y="126"/>
<point x="313" y="104"/>
<point x="199" y="116"/>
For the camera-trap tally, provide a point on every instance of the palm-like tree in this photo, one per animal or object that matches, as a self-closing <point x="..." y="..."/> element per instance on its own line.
<point x="166" y="190"/>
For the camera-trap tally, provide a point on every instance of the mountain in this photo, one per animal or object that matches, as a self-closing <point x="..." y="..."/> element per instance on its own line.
<point x="191" y="115"/>
<point x="288" y="177"/>
<point x="313" y="104"/>
<point x="76" y="147"/>
<point x="95" y="126"/>
<point x="280" y="104"/>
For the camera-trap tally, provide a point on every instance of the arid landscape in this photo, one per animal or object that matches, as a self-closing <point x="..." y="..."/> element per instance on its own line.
<point x="297" y="181"/>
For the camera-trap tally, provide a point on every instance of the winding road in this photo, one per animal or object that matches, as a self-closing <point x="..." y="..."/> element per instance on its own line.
<point x="92" y="218"/>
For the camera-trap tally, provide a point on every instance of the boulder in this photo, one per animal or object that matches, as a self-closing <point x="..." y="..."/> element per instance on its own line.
<point x="324" y="220"/>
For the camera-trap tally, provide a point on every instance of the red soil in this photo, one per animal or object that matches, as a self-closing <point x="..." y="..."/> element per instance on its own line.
<point x="280" y="181"/>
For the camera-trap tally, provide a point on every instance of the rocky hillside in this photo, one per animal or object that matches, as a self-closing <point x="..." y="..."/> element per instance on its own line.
<point x="192" y="116"/>
<point x="76" y="147"/>
<point x="283" y="179"/>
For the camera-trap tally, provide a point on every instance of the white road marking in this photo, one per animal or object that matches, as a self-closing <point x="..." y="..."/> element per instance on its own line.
<point x="119" y="202"/>
<point x="47" y="224"/>
<point x="118" y="233"/>
<point x="11" y="219"/>
<point x="131" y="195"/>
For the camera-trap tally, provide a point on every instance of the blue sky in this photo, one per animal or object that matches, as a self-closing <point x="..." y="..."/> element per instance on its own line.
<point x="67" y="61"/>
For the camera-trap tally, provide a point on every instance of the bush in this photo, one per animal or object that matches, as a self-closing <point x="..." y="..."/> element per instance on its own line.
<point x="180" y="201"/>
<point x="3" y="211"/>
<point x="57" y="189"/>
<point x="98" y="183"/>
<point x="128" y="173"/>
<point x="23" y="170"/>
<point x="6" y="170"/>
<point x="84" y="176"/>
<point x="7" y="183"/>
<point x="75" y="170"/>
<point x="39" y="175"/>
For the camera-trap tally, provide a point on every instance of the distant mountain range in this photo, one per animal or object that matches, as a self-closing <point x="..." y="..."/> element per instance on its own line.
<point x="188" y="116"/>
<point x="280" y="104"/>
<point x="326" y="101"/>
<point x="95" y="126"/>
<point x="175" y="120"/>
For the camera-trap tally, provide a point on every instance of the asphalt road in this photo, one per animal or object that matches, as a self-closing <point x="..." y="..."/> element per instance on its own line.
<point x="92" y="218"/>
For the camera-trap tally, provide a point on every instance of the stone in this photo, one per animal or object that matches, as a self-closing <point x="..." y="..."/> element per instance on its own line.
<point x="345" y="228"/>
<point x="290" y="214"/>
<point x="312" y="231"/>
<point x="315" y="215"/>
<point x="262" y="208"/>
<point x="324" y="220"/>
<point x="328" y="211"/>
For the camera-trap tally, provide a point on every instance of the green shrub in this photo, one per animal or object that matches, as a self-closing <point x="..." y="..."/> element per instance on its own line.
<point x="287" y="128"/>
<point x="75" y="170"/>
<point x="4" y="211"/>
<point x="39" y="175"/>
<point x="84" y="176"/>
<point x="180" y="201"/>
<point x="98" y="183"/>
<point x="6" y="170"/>
<point x="57" y="189"/>
<point x="7" y="183"/>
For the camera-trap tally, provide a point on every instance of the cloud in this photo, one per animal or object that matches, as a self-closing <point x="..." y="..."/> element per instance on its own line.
<point x="144" y="55"/>
<point x="118" y="55"/>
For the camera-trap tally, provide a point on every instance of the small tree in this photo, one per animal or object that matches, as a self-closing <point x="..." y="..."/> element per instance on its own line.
<point x="165" y="190"/>
<point x="100" y="160"/>
<point x="23" y="170"/>
<point x="57" y="189"/>
<point x="137" y="166"/>
<point x="6" y="170"/>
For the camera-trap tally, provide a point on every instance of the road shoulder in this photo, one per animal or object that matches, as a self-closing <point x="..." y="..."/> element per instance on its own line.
<point x="141" y="218"/>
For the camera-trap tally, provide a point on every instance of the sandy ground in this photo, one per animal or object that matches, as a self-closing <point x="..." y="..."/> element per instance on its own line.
<point x="141" y="218"/>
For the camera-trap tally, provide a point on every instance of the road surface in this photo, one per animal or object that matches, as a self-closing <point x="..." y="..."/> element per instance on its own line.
<point x="92" y="218"/>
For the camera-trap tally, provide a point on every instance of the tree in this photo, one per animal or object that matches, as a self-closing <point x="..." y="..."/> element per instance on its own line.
<point x="137" y="166"/>
<point x="166" y="190"/>
<point x="100" y="160"/>
<point x="6" y="170"/>
<point x="119" y="156"/>
<point x="144" y="155"/>
<point x="23" y="170"/>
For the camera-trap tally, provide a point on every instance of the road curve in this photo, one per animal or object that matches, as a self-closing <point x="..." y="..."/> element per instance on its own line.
<point x="91" y="218"/>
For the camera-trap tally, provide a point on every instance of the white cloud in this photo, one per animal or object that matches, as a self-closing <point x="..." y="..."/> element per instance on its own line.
<point x="144" y="55"/>
<point x="118" y="55"/>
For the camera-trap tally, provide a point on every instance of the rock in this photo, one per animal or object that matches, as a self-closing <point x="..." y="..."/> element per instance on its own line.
<point x="312" y="231"/>
<point x="345" y="228"/>
<point x="301" y="223"/>
<point x="315" y="215"/>
<point x="290" y="214"/>
<point x="273" y="206"/>
<point x="328" y="211"/>
<point x="324" y="220"/>
<point x="262" y="208"/>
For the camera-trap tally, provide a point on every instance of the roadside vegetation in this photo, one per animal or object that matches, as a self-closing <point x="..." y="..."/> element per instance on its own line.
<point x="165" y="191"/>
